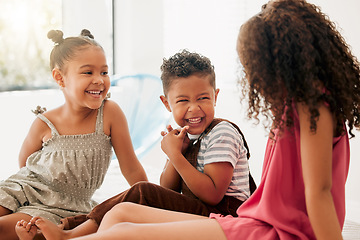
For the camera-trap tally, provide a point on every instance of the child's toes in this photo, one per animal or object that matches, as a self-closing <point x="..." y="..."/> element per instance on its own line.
<point x="21" y="223"/>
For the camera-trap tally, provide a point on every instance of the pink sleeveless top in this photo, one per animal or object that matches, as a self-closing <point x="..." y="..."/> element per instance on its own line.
<point x="277" y="209"/>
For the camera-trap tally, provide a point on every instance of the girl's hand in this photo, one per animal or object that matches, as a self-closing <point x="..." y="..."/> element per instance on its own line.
<point x="173" y="142"/>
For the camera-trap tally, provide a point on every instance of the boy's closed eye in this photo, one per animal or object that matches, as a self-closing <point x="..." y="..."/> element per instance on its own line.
<point x="204" y="98"/>
<point x="182" y="100"/>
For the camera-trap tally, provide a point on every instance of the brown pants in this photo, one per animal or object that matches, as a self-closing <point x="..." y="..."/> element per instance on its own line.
<point x="153" y="195"/>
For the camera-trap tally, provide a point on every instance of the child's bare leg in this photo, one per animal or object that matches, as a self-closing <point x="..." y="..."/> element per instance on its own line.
<point x="52" y="231"/>
<point x="210" y="230"/>
<point x="88" y="227"/>
<point x="154" y="223"/>
<point x="136" y="213"/>
<point x="25" y="230"/>
<point x="4" y="211"/>
<point x="8" y="223"/>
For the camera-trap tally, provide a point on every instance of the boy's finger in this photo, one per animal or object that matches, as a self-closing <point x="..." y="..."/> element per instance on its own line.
<point x="169" y="128"/>
<point x="183" y="131"/>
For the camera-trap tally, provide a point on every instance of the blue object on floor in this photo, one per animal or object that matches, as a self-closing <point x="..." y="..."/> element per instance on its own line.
<point x="139" y="97"/>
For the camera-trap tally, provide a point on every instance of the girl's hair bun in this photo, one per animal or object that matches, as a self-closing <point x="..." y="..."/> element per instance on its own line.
<point x="86" y="33"/>
<point x="56" y="36"/>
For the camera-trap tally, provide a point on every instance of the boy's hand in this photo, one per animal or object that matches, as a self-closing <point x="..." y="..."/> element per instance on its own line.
<point x="186" y="138"/>
<point x="175" y="141"/>
<point x="168" y="128"/>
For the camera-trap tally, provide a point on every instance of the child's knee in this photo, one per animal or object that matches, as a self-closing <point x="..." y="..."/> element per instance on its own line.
<point x="124" y="230"/>
<point x="122" y="211"/>
<point x="143" y="186"/>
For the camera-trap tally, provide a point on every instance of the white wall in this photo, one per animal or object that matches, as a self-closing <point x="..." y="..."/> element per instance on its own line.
<point x="139" y="36"/>
<point x="95" y="16"/>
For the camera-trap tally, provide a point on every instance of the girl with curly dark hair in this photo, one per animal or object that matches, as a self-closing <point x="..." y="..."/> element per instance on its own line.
<point x="300" y="74"/>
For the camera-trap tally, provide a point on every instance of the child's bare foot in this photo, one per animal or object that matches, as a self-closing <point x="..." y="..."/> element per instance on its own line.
<point x="49" y="230"/>
<point x="25" y="230"/>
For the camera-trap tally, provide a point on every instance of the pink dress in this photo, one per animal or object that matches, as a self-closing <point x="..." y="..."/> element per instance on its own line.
<point x="277" y="209"/>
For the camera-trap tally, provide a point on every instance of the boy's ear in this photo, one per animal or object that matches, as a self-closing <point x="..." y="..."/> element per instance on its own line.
<point x="57" y="75"/>
<point x="216" y="95"/>
<point x="165" y="102"/>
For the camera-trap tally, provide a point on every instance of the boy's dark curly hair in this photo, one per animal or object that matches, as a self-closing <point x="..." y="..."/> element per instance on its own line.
<point x="291" y="52"/>
<point x="184" y="64"/>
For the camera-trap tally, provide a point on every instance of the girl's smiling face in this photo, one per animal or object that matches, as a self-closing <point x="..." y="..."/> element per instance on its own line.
<point x="85" y="79"/>
<point x="192" y="102"/>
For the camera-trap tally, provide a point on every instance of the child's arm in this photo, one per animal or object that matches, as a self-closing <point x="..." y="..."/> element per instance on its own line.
<point x="169" y="177"/>
<point x="130" y="166"/>
<point x="34" y="140"/>
<point x="316" y="157"/>
<point x="209" y="186"/>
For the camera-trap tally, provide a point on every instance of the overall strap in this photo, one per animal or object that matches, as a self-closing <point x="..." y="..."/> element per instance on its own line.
<point x="47" y="121"/>
<point x="193" y="150"/>
<point x="99" y="119"/>
<point x="194" y="146"/>
<point x="218" y="120"/>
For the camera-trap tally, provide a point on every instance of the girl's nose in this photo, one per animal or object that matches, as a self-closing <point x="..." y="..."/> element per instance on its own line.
<point x="98" y="80"/>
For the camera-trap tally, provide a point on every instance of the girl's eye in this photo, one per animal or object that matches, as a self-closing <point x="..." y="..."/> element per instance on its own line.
<point x="181" y="100"/>
<point x="87" y="73"/>
<point x="104" y="73"/>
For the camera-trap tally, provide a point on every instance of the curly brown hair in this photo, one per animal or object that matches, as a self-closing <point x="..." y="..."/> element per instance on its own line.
<point x="292" y="53"/>
<point x="184" y="64"/>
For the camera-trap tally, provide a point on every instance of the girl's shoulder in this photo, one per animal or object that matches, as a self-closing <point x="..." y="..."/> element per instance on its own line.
<point x="47" y="113"/>
<point x="43" y="115"/>
<point x="113" y="116"/>
<point x="111" y="108"/>
<point x="110" y="105"/>
<point x="40" y="126"/>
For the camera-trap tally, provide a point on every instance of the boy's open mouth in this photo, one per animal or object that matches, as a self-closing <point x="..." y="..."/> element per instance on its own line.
<point x="194" y="120"/>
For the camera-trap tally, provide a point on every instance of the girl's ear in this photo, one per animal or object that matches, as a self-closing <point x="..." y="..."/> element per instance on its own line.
<point x="165" y="102"/>
<point x="57" y="75"/>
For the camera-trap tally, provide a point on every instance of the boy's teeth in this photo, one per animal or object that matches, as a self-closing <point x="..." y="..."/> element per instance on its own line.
<point x="194" y="120"/>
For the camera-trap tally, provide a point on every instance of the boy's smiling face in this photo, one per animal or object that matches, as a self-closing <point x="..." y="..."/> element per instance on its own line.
<point x="192" y="102"/>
